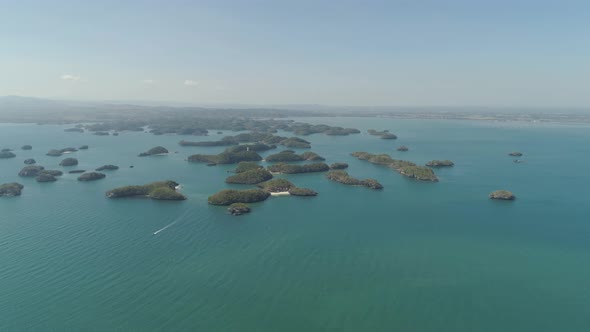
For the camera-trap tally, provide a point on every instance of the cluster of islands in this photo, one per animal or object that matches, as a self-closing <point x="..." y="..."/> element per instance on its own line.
<point x="243" y="150"/>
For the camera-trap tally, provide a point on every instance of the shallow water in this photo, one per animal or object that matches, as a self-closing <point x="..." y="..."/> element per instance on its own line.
<point x="413" y="257"/>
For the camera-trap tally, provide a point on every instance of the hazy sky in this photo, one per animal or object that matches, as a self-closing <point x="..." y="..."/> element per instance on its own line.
<point x="413" y="52"/>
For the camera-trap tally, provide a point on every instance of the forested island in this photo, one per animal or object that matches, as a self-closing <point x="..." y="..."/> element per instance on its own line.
<point x="283" y="168"/>
<point x="11" y="189"/>
<point x="440" y="163"/>
<point x="339" y="166"/>
<point x="69" y="162"/>
<point x="162" y="190"/>
<point x="7" y="154"/>
<point x="230" y="196"/>
<point x="404" y="167"/>
<point x="155" y="151"/>
<point x="504" y="195"/>
<point x="343" y="177"/>
<point x="252" y="176"/>
<point x="384" y="134"/>
<point x="226" y="157"/>
<point x="91" y="176"/>
<point x="290" y="155"/>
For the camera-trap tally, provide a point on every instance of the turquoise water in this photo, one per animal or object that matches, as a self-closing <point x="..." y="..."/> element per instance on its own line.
<point x="413" y="257"/>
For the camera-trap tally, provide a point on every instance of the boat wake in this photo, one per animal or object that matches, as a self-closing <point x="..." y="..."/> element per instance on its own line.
<point x="170" y="224"/>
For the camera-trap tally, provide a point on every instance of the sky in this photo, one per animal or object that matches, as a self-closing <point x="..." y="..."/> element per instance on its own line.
<point x="529" y="53"/>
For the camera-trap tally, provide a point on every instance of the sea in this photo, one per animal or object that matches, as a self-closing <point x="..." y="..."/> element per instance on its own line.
<point x="415" y="256"/>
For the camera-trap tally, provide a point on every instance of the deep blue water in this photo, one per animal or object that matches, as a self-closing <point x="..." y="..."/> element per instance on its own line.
<point x="413" y="257"/>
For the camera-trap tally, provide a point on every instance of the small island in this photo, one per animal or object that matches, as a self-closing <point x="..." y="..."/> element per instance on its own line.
<point x="252" y="176"/>
<point x="244" y="166"/>
<point x="74" y="130"/>
<point x="77" y="171"/>
<point x="226" y="157"/>
<point x="52" y="172"/>
<point x="339" y="166"/>
<point x="107" y="168"/>
<point x="69" y="162"/>
<point x="30" y="171"/>
<point x="237" y="209"/>
<point x="6" y="154"/>
<point x="162" y="190"/>
<point x="91" y="176"/>
<point x="385" y="134"/>
<point x="515" y="154"/>
<point x="155" y="151"/>
<point x="60" y="152"/>
<point x="290" y="155"/>
<point x="302" y="192"/>
<point x="296" y="142"/>
<point x="504" y="195"/>
<point x="83" y="147"/>
<point x="45" y="177"/>
<point x="30" y="161"/>
<point x="230" y="196"/>
<point x="26" y="147"/>
<point x="403" y="148"/>
<point x="403" y="167"/>
<point x="344" y="178"/>
<point x="282" y="168"/>
<point x="440" y="163"/>
<point x="11" y="189"/>
<point x="277" y="186"/>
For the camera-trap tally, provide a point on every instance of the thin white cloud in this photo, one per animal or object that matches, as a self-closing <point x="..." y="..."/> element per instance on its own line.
<point x="191" y="83"/>
<point x="148" y="81"/>
<point x="69" y="77"/>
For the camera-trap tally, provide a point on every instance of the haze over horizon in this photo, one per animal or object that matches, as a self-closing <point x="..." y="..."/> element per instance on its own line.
<point x="372" y="53"/>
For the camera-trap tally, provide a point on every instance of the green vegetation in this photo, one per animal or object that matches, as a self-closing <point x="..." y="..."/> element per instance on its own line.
<point x="237" y="209"/>
<point x="230" y="196"/>
<point x="107" y="168"/>
<point x="296" y="142"/>
<point x="6" y="155"/>
<point x="208" y="143"/>
<point x="258" y="147"/>
<point x="30" y="171"/>
<point x="69" y="162"/>
<point x="246" y="166"/>
<point x="158" y="150"/>
<point x="58" y="153"/>
<point x="312" y="156"/>
<point x="404" y="167"/>
<point x="294" y="169"/>
<point x="51" y="172"/>
<point x="302" y="192"/>
<point x="276" y="185"/>
<point x="45" y="177"/>
<point x="385" y="134"/>
<point x="252" y="176"/>
<point x="91" y="176"/>
<point x="226" y="157"/>
<point x="11" y="189"/>
<point x="163" y="190"/>
<point x="339" y="166"/>
<point x="290" y="155"/>
<point x="344" y="178"/>
<point x="284" y="156"/>
<point x="502" y="195"/>
<point x="440" y="163"/>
